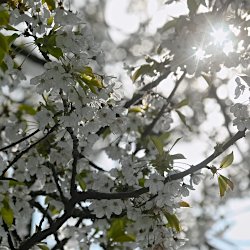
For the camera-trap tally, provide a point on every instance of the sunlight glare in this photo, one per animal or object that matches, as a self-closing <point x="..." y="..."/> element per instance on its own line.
<point x="219" y="36"/>
<point x="200" y="54"/>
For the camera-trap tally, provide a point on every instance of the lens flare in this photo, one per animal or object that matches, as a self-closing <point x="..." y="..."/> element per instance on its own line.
<point x="200" y="54"/>
<point x="219" y="36"/>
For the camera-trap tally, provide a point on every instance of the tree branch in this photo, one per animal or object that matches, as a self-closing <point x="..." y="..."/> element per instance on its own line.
<point x="149" y="128"/>
<point x="18" y="156"/>
<point x="19" y="141"/>
<point x="146" y="88"/>
<point x="94" y="195"/>
<point x="56" y="180"/>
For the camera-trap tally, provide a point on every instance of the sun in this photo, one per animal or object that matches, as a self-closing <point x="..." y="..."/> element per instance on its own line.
<point x="220" y="36"/>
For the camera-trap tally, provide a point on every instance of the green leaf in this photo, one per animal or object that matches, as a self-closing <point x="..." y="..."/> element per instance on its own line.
<point x="12" y="38"/>
<point x="28" y="109"/>
<point x="224" y="183"/>
<point x="158" y="143"/>
<point x="136" y="109"/>
<point x="56" y="52"/>
<point x="222" y="186"/>
<point x="43" y="246"/>
<point x="117" y="231"/>
<point x="142" y="70"/>
<point x="227" y="161"/>
<point x="192" y="6"/>
<point x="176" y="141"/>
<point x="165" y="136"/>
<point x="125" y="238"/>
<point x="4" y="17"/>
<point x="4" y="45"/>
<point x="229" y="182"/>
<point x="177" y="157"/>
<point x="9" y="27"/>
<point x="173" y="221"/>
<point x="183" y="119"/>
<point x="50" y="3"/>
<point x="80" y="179"/>
<point x="181" y="104"/>
<point x="7" y="213"/>
<point x="184" y="204"/>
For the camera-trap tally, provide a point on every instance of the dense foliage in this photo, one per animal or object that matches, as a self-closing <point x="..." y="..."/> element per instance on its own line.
<point x="52" y="126"/>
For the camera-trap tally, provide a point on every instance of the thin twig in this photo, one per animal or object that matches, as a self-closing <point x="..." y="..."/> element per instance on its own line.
<point x="75" y="155"/>
<point x="149" y="128"/>
<point x="19" y="141"/>
<point x="18" y="156"/>
<point x="56" y="179"/>
<point x="146" y="88"/>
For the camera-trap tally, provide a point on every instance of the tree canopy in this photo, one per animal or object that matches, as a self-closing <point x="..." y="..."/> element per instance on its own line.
<point x="54" y="194"/>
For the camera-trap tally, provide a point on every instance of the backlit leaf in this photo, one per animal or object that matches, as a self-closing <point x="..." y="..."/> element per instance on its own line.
<point x="158" y="143"/>
<point x="181" y="104"/>
<point x="4" y="17"/>
<point x="117" y="231"/>
<point x="7" y="214"/>
<point x="183" y="119"/>
<point x="50" y="3"/>
<point x="42" y="246"/>
<point x="173" y="221"/>
<point x="227" y="161"/>
<point x="184" y="204"/>
<point x="142" y="70"/>
<point x="224" y="183"/>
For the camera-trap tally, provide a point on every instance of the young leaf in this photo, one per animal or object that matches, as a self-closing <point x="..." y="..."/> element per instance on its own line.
<point x="183" y="119"/>
<point x="158" y="143"/>
<point x="176" y="141"/>
<point x="42" y="246"/>
<point x="224" y="183"/>
<point x="144" y="69"/>
<point x="178" y="157"/>
<point x="184" y="204"/>
<point x="173" y="221"/>
<point x="229" y="182"/>
<point x="135" y="109"/>
<point x="227" y="161"/>
<point x="7" y="214"/>
<point x="181" y="103"/>
<point x="50" y="3"/>
<point x="4" y="17"/>
<point x="117" y="231"/>
<point x="4" y="43"/>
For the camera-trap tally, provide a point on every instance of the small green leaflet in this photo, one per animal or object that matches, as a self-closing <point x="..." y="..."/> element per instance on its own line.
<point x="173" y="221"/>
<point x="182" y="103"/>
<point x="7" y="213"/>
<point x="227" y="161"/>
<point x="50" y="3"/>
<point x="142" y="70"/>
<point x="117" y="231"/>
<point x="183" y="119"/>
<point x="4" y="17"/>
<point x="224" y="183"/>
<point x="184" y="204"/>
<point x="42" y="246"/>
<point x="177" y="157"/>
<point x="158" y="143"/>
